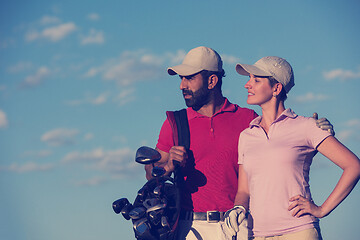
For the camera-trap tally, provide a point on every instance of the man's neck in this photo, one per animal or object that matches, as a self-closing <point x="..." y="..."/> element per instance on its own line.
<point x="214" y="105"/>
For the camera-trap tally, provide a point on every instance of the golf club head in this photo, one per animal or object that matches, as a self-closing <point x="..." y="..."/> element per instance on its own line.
<point x="158" y="190"/>
<point x="156" y="207"/>
<point x="158" y="171"/>
<point x="119" y="204"/>
<point x="147" y="155"/>
<point x="150" y="202"/>
<point x="165" y="223"/>
<point x="141" y="227"/>
<point x="143" y="192"/>
<point x="126" y="210"/>
<point x="155" y="216"/>
<point x="137" y="213"/>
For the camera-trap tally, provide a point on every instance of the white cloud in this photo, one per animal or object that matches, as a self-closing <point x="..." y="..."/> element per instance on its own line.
<point x="341" y="74"/>
<point x="4" y="123"/>
<point x="351" y="130"/>
<point x="93" y="155"/>
<point x="54" y="33"/>
<point x="7" y="42"/>
<point x="310" y="97"/>
<point x="37" y="78"/>
<point x="27" y="167"/>
<point x="94" y="37"/>
<point x="19" y="67"/>
<point x="228" y="59"/>
<point x="175" y="58"/>
<point x="89" y="136"/>
<point x="100" y="99"/>
<point x="49" y="20"/>
<point x="354" y="123"/>
<point x="132" y="67"/>
<point x="125" y="96"/>
<point x="39" y="154"/>
<point x="59" y="32"/>
<point x="344" y="135"/>
<point x="151" y="59"/>
<point x="118" y="161"/>
<point x="90" y="182"/>
<point x="93" y="16"/>
<point x="121" y="139"/>
<point x="92" y="72"/>
<point x="141" y="65"/>
<point x="60" y="137"/>
<point x="32" y="35"/>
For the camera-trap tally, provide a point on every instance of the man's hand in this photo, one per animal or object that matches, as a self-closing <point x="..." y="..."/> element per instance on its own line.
<point x="233" y="218"/>
<point x="176" y="153"/>
<point x="324" y="124"/>
<point x="300" y="206"/>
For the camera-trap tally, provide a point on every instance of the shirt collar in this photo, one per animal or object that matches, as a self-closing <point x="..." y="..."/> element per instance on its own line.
<point x="287" y="113"/>
<point x="227" y="107"/>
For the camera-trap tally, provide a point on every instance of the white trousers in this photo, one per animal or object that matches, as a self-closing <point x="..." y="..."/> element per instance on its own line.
<point x="202" y="230"/>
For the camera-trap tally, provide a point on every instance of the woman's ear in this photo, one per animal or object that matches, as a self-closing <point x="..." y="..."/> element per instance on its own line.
<point x="212" y="81"/>
<point x="277" y="88"/>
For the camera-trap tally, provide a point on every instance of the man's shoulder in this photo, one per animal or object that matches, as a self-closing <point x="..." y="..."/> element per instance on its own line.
<point x="243" y="110"/>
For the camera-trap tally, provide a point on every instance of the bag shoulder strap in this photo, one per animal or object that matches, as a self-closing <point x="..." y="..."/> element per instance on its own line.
<point x="180" y="127"/>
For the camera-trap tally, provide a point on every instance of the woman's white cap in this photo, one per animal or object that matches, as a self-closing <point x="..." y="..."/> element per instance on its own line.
<point x="196" y="60"/>
<point x="272" y="66"/>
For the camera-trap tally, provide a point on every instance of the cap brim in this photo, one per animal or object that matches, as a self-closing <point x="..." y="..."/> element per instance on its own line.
<point x="246" y="70"/>
<point x="183" y="70"/>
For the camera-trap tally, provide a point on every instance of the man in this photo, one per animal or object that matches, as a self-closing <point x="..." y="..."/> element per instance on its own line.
<point x="210" y="166"/>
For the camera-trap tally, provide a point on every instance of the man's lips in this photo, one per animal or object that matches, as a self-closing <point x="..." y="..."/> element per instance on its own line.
<point x="187" y="96"/>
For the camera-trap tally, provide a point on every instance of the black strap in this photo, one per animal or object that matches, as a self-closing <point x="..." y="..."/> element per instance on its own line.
<point x="182" y="128"/>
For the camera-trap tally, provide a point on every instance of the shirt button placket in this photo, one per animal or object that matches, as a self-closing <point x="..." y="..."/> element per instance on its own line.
<point x="211" y="127"/>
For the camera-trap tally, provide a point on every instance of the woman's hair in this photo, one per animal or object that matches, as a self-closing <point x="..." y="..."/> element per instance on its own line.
<point x="282" y="96"/>
<point x="206" y="74"/>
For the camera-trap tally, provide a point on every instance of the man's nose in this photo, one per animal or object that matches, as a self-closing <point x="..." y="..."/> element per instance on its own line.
<point x="183" y="83"/>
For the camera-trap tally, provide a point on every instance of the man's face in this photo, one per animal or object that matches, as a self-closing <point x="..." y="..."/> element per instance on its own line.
<point x="195" y="90"/>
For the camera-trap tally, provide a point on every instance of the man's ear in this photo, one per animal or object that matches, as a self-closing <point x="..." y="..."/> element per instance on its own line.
<point x="212" y="81"/>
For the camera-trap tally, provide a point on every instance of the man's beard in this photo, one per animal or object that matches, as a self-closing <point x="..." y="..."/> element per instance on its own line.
<point x="198" y="99"/>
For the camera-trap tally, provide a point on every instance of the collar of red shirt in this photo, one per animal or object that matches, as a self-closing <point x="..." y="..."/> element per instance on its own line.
<point x="227" y="107"/>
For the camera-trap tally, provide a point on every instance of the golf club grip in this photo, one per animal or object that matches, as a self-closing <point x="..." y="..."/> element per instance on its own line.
<point x="176" y="164"/>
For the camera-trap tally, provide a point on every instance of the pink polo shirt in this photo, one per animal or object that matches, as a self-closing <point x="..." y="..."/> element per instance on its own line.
<point x="212" y="170"/>
<point x="277" y="166"/>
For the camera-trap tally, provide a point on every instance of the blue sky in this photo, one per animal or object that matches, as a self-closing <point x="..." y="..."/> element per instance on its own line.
<point x="83" y="84"/>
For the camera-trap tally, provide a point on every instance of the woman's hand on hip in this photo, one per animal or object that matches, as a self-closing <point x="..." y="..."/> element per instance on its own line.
<point x="301" y="206"/>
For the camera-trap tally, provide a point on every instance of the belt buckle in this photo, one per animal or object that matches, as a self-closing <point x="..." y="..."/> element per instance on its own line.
<point x="213" y="216"/>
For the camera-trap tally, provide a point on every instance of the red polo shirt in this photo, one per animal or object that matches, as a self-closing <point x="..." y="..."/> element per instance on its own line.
<point x="211" y="171"/>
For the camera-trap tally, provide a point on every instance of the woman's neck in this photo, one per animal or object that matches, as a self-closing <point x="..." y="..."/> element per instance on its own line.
<point x="270" y="112"/>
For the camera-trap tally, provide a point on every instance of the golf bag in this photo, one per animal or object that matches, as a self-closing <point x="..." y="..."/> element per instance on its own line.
<point x="156" y="209"/>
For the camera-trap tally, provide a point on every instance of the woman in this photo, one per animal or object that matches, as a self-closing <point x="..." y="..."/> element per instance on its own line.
<point x="275" y="154"/>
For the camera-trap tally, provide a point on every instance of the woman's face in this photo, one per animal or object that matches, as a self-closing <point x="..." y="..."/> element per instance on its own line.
<point x="259" y="90"/>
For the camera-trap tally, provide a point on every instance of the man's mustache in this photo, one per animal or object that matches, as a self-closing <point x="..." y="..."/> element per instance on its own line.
<point x="187" y="92"/>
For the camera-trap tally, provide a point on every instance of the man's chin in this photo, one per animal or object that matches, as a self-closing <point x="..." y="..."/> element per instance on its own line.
<point x="189" y="103"/>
